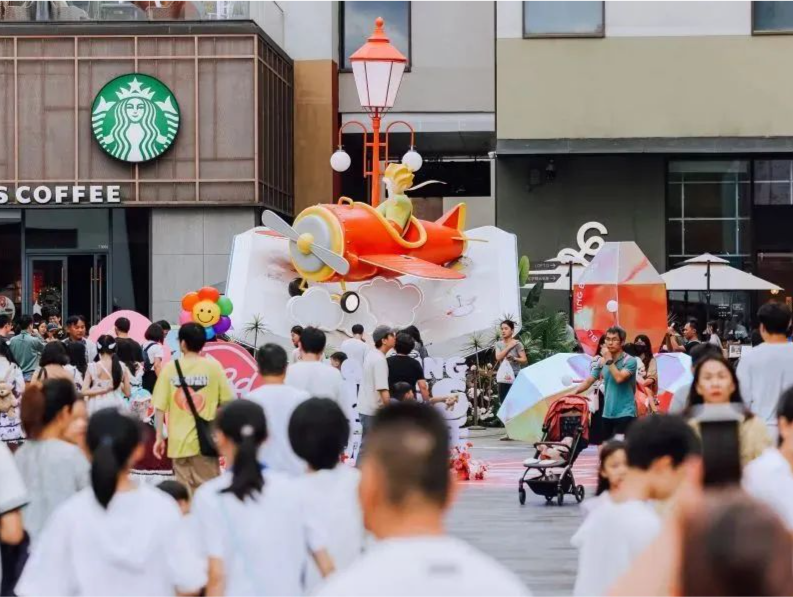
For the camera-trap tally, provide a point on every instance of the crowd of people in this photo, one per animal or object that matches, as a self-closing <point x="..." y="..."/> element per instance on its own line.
<point x="672" y="500"/>
<point x="261" y="502"/>
<point x="264" y="501"/>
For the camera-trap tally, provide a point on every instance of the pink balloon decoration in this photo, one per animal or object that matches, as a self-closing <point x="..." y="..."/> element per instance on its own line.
<point x="222" y="326"/>
<point x="185" y="317"/>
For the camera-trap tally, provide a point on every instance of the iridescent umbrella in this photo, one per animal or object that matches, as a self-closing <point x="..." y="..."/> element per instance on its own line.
<point x="535" y="388"/>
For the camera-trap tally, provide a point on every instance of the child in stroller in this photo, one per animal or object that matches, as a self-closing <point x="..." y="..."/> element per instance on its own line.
<point x="565" y="435"/>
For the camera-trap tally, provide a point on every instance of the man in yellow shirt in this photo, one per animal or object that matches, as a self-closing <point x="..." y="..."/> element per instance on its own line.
<point x="209" y="388"/>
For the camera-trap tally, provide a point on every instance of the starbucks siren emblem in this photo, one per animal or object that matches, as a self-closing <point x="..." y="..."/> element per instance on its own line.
<point x="135" y="118"/>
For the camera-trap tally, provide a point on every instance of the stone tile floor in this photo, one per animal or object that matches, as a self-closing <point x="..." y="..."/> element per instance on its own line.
<point x="532" y="540"/>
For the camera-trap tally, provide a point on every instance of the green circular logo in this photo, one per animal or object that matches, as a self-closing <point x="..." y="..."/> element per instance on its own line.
<point x="135" y="118"/>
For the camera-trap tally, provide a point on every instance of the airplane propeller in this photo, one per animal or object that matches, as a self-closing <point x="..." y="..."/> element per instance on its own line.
<point x="333" y="260"/>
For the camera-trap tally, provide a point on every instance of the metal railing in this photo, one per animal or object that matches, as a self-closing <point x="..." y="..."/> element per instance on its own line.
<point x="47" y="11"/>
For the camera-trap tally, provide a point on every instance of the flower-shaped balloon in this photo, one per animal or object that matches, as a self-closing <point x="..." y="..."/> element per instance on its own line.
<point x="207" y="308"/>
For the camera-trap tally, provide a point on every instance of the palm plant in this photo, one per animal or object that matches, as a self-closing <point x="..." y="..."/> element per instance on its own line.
<point x="255" y="326"/>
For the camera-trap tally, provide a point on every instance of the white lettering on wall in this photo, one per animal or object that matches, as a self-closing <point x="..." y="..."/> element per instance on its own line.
<point x="43" y="195"/>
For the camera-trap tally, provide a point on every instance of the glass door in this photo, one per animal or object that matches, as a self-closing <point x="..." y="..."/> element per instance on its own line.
<point x="47" y="284"/>
<point x="776" y="268"/>
<point x="99" y="307"/>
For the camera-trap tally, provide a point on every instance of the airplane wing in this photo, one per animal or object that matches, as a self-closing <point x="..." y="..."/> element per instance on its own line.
<point x="406" y="265"/>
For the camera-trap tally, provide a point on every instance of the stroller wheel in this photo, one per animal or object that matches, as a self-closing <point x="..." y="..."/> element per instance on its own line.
<point x="579" y="493"/>
<point x="560" y="497"/>
<point x="522" y="496"/>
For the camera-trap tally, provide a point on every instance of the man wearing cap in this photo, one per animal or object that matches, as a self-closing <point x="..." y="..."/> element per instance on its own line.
<point x="374" y="394"/>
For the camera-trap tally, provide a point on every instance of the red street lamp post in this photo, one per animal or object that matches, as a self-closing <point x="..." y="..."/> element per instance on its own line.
<point x="378" y="68"/>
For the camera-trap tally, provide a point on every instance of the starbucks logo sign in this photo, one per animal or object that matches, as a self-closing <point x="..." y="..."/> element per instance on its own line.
<point x="135" y="118"/>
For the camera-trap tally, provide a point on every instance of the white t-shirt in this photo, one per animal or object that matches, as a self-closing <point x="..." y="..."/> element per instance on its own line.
<point x="769" y="478"/>
<point x="297" y="355"/>
<point x="764" y="374"/>
<point x="333" y="496"/>
<point x="154" y="350"/>
<point x="355" y="349"/>
<point x="264" y="542"/>
<point x="423" y="566"/>
<point x="13" y="494"/>
<point x="589" y="505"/>
<point x="137" y="546"/>
<point x="609" y="540"/>
<point x="54" y="471"/>
<point x="319" y="379"/>
<point x="279" y="402"/>
<point x="375" y="378"/>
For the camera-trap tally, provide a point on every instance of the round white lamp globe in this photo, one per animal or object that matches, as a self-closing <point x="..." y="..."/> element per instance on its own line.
<point x="412" y="159"/>
<point x="612" y="306"/>
<point x="340" y="160"/>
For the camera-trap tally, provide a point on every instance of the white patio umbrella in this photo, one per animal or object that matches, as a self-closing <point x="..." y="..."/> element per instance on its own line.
<point x="708" y="272"/>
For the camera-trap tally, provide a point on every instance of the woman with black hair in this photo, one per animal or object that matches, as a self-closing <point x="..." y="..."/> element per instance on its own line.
<point x="644" y="351"/>
<point x="419" y="349"/>
<point x="107" y="380"/>
<point x="52" y="468"/>
<point x="77" y="356"/>
<point x="12" y="384"/>
<point x="715" y="382"/>
<point x="254" y="527"/>
<point x="116" y="538"/>
<point x="54" y="364"/>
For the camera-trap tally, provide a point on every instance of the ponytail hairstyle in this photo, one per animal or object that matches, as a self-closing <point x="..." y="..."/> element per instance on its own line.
<point x="107" y="345"/>
<point x="112" y="438"/>
<point x="243" y="422"/>
<point x="43" y="402"/>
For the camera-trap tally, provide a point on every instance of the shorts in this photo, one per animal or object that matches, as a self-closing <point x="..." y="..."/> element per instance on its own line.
<point x="618" y="426"/>
<point x="194" y="471"/>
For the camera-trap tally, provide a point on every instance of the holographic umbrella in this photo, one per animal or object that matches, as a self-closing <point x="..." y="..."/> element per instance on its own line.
<point x="535" y="388"/>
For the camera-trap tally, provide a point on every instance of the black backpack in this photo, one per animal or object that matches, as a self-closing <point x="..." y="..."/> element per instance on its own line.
<point x="149" y="375"/>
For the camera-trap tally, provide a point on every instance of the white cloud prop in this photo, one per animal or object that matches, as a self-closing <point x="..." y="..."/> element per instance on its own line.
<point x="362" y="315"/>
<point x="391" y="302"/>
<point x="316" y="308"/>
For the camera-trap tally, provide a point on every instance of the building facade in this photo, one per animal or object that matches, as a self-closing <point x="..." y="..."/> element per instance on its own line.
<point x="633" y="114"/>
<point x="97" y="214"/>
<point x="447" y="94"/>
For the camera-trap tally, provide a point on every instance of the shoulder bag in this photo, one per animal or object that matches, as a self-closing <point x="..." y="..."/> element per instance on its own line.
<point x="206" y="444"/>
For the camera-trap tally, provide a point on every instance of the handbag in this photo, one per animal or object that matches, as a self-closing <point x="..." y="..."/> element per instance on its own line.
<point x="206" y="445"/>
<point x="505" y="373"/>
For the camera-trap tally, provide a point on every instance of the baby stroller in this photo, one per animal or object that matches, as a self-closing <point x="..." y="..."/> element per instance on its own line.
<point x="567" y="417"/>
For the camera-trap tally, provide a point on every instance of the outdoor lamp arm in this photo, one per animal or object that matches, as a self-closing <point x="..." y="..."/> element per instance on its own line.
<point x="365" y="134"/>
<point x="388" y="129"/>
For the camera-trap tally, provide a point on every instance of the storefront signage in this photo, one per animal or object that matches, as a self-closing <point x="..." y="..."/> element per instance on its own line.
<point x="61" y="194"/>
<point x="135" y="118"/>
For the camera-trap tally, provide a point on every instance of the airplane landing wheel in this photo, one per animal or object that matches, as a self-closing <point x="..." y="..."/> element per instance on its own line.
<point x="295" y="287"/>
<point x="349" y="302"/>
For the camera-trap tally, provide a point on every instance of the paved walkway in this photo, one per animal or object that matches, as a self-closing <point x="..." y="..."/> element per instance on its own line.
<point x="532" y="540"/>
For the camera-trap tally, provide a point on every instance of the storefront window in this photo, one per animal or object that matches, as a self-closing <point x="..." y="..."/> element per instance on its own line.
<point x="773" y="182"/>
<point x="125" y="11"/>
<point x="563" y="19"/>
<point x="10" y="262"/>
<point x="73" y="229"/>
<point x="708" y="204"/>
<point x="358" y="23"/>
<point x="772" y="17"/>
<point x="130" y="260"/>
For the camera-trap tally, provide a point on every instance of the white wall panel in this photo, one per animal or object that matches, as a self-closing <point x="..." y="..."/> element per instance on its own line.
<point x="654" y="18"/>
<point x="509" y="19"/>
